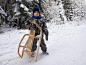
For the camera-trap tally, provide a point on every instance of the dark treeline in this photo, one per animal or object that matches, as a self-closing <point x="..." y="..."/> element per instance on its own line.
<point x="14" y="12"/>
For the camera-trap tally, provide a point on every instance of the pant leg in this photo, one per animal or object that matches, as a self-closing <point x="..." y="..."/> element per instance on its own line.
<point x="43" y="45"/>
<point x="34" y="44"/>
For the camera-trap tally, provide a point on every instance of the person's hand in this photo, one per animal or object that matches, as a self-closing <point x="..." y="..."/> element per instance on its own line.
<point x="27" y="26"/>
<point x="32" y="27"/>
<point x="47" y="37"/>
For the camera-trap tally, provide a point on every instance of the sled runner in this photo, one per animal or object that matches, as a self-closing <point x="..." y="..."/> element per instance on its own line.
<point x="29" y="43"/>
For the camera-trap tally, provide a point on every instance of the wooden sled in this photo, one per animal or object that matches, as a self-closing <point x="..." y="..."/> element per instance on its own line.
<point x="28" y="45"/>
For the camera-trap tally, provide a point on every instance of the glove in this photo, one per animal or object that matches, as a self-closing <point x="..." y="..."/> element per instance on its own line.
<point x="27" y="26"/>
<point x="46" y="34"/>
<point x="32" y="27"/>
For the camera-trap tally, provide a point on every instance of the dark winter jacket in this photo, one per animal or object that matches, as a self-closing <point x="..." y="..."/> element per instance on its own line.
<point x="40" y="22"/>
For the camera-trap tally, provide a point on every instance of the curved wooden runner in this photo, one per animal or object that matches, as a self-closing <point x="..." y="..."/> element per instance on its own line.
<point x="28" y="45"/>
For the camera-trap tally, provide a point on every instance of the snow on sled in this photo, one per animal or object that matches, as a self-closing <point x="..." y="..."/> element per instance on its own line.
<point x="29" y="43"/>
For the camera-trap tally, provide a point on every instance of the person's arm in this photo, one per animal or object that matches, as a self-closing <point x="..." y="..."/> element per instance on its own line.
<point x="44" y="26"/>
<point x="45" y="30"/>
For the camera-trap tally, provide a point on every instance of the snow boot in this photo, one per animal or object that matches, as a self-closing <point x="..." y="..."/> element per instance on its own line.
<point x="32" y="55"/>
<point x="44" y="52"/>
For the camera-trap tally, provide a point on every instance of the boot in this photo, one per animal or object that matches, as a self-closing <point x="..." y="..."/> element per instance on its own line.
<point x="45" y="52"/>
<point x="32" y="55"/>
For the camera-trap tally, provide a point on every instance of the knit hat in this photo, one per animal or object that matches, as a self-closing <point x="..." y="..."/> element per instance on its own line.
<point x="36" y="8"/>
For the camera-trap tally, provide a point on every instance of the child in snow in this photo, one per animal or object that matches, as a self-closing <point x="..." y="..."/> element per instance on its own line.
<point x="41" y="22"/>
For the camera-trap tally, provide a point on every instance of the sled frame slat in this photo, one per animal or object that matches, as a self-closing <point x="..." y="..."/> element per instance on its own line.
<point x="25" y="46"/>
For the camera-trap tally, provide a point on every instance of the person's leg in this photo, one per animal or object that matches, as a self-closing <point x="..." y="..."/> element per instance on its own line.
<point x="34" y="44"/>
<point x="43" y="46"/>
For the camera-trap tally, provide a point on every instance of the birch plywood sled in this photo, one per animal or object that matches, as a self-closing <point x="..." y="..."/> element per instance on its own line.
<point x="28" y="45"/>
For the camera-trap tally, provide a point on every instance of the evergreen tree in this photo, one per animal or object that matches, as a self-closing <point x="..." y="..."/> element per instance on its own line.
<point x="68" y="9"/>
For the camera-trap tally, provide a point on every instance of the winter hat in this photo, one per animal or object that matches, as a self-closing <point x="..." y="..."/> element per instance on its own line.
<point x="36" y="8"/>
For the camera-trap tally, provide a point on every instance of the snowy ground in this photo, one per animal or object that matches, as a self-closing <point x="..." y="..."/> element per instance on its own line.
<point x="66" y="46"/>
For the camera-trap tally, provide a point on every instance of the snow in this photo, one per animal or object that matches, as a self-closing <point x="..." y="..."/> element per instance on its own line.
<point x="18" y="13"/>
<point x="2" y="11"/>
<point x="54" y="11"/>
<point x="29" y="0"/>
<point x="18" y="0"/>
<point x="23" y="6"/>
<point x="66" y="46"/>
